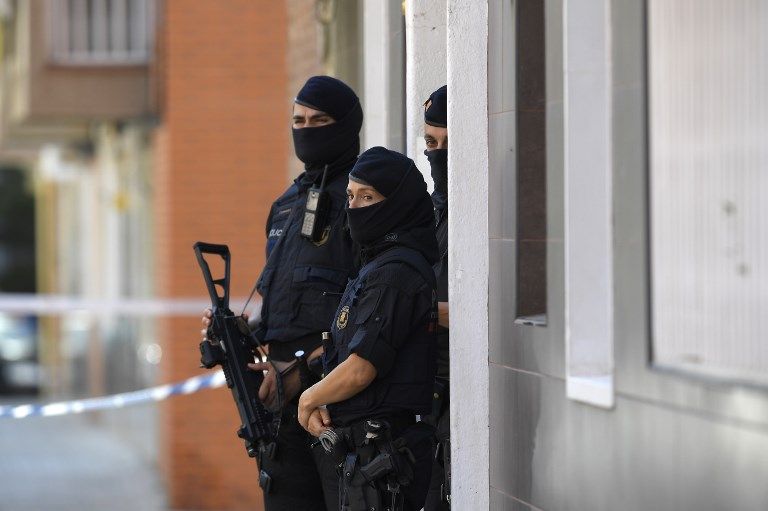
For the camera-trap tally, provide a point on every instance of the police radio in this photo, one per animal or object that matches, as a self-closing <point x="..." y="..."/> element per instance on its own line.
<point x="316" y="211"/>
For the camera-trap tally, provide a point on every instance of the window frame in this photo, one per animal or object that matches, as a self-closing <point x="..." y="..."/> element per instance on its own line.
<point x="60" y="24"/>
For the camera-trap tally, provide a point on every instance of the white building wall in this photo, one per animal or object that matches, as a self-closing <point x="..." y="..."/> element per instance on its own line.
<point x="425" y="49"/>
<point x="588" y="201"/>
<point x="383" y="47"/>
<point x="467" y="56"/>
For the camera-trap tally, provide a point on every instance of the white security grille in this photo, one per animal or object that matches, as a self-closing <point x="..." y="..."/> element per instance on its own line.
<point x="101" y="32"/>
<point x="708" y="84"/>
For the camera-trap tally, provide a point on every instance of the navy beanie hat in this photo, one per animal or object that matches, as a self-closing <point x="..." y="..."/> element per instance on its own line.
<point x="328" y="95"/>
<point x="382" y="169"/>
<point x="436" y="108"/>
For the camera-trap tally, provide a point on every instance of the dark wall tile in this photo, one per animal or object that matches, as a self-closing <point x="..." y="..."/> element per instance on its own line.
<point x="531" y="86"/>
<point x="531" y="277"/>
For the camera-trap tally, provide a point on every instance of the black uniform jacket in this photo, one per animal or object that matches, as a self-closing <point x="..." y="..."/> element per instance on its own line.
<point x="302" y="280"/>
<point x="441" y="267"/>
<point x="387" y="316"/>
<point x="441" y="273"/>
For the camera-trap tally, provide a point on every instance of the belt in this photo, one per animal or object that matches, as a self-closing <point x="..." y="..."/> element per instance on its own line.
<point x="356" y="433"/>
<point x="345" y="439"/>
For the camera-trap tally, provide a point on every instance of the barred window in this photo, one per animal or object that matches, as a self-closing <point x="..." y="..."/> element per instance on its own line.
<point x="101" y="32"/>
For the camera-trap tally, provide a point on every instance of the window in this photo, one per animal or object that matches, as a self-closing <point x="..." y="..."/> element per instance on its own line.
<point x="708" y="128"/>
<point x="384" y="75"/>
<point x="101" y="32"/>
<point x="531" y="270"/>
<point x="17" y="232"/>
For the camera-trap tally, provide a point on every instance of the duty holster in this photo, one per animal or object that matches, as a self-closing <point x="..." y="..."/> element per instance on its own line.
<point x="441" y="420"/>
<point x="373" y="468"/>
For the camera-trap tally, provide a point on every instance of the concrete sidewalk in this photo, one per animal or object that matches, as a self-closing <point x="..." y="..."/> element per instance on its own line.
<point x="71" y="463"/>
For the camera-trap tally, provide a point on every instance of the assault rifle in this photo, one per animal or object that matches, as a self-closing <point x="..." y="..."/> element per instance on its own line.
<point x="229" y="343"/>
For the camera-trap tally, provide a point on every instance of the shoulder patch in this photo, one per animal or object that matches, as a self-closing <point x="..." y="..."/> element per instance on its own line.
<point x="343" y="318"/>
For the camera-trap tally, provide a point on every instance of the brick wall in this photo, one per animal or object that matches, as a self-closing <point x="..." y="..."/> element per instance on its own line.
<point x="304" y="36"/>
<point x="220" y="157"/>
<point x="304" y="59"/>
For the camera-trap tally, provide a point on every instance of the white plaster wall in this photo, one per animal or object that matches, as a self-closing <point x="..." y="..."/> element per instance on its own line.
<point x="467" y="55"/>
<point x="425" y="50"/>
<point x="383" y="50"/>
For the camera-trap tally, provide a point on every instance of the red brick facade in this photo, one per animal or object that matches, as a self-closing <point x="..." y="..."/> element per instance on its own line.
<point x="221" y="157"/>
<point x="303" y="55"/>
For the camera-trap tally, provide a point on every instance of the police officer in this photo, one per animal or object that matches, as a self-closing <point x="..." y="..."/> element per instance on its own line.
<point x="436" y="139"/>
<point x="379" y="360"/>
<point x="309" y="260"/>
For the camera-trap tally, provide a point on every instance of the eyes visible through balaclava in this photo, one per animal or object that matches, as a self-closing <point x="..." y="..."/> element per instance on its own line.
<point x="327" y="142"/>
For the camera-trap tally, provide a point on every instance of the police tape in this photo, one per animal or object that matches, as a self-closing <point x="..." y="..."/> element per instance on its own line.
<point x="159" y="393"/>
<point x="47" y="305"/>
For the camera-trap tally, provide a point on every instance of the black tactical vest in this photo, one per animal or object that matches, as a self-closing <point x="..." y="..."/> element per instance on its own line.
<point x="407" y="387"/>
<point x="302" y="280"/>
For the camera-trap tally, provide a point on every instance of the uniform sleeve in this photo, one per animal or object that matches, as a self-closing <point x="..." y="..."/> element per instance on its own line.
<point x="384" y="322"/>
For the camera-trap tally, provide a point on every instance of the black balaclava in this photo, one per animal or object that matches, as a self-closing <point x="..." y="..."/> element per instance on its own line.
<point x="436" y="114"/>
<point x="337" y="144"/>
<point x="405" y="217"/>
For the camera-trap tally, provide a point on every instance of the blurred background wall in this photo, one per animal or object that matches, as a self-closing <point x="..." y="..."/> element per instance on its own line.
<point x="131" y="129"/>
<point x="220" y="162"/>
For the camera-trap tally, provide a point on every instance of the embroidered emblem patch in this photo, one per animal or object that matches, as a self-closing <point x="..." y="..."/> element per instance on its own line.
<point x="341" y="321"/>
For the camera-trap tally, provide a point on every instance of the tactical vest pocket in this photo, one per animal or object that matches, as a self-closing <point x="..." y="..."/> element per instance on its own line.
<point x="316" y="292"/>
<point x="265" y="279"/>
<point x="367" y="306"/>
<point x="320" y="276"/>
<point x="315" y="311"/>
